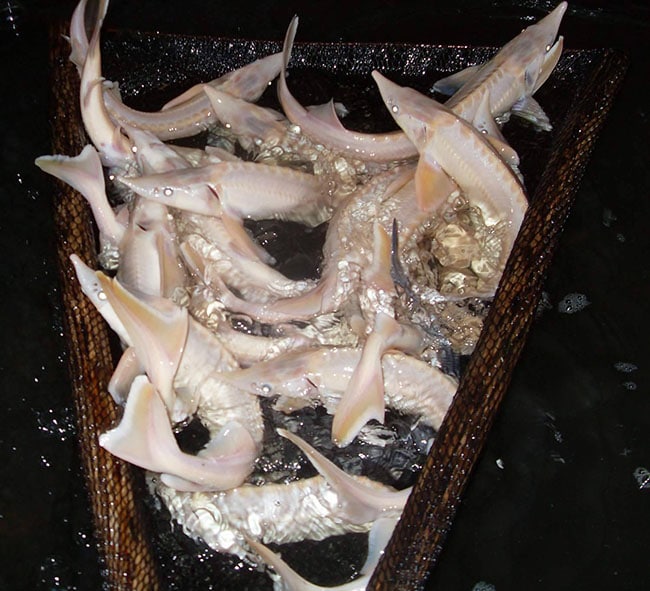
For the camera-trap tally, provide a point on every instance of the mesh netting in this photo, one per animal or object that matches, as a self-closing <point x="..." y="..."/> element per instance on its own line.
<point x="577" y="98"/>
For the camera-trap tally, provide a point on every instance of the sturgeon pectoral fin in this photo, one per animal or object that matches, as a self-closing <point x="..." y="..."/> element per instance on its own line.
<point x="363" y="503"/>
<point x="144" y="437"/>
<point x="528" y="108"/>
<point x="157" y="335"/>
<point x="452" y="83"/>
<point x="433" y="186"/>
<point x="128" y="368"/>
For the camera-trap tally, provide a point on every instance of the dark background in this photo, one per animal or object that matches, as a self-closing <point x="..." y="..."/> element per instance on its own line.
<point x="558" y="501"/>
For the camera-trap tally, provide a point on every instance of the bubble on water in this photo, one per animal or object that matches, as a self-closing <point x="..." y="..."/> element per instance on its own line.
<point x="642" y="477"/>
<point x="572" y="303"/>
<point x="483" y="586"/>
<point x="625" y="367"/>
<point x="629" y="385"/>
<point x="544" y="304"/>
<point x="608" y="217"/>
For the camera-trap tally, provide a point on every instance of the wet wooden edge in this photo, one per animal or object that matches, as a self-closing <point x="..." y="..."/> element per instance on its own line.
<point x="115" y="488"/>
<point x="419" y="536"/>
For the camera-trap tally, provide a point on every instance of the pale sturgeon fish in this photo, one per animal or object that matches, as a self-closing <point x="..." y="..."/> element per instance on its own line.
<point x="181" y="357"/>
<point x="512" y="76"/>
<point x="84" y="173"/>
<point x="347" y="253"/>
<point x="242" y="189"/>
<point x="310" y="509"/>
<point x="193" y="113"/>
<point x="144" y="437"/>
<point x="322" y="124"/>
<point x="219" y="240"/>
<point x="322" y="375"/>
<point x="114" y="148"/>
<point x="451" y="147"/>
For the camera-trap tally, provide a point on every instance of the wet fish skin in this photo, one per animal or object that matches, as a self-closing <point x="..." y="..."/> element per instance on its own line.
<point x="323" y="125"/>
<point x="449" y="146"/>
<point x="194" y="114"/>
<point x="512" y="76"/>
<point x="114" y="148"/>
<point x="411" y="386"/>
<point x="242" y="189"/>
<point x="307" y="509"/>
<point x="144" y="437"/>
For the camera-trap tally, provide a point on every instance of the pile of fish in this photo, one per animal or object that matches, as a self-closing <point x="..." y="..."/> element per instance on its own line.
<point x="420" y="223"/>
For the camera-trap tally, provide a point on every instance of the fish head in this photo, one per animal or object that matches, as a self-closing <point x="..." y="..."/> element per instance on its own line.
<point x="413" y="111"/>
<point x="537" y="48"/>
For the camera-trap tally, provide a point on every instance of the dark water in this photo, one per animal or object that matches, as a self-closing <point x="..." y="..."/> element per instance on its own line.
<point x="560" y="499"/>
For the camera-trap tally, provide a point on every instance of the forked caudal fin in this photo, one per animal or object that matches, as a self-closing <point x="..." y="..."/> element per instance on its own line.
<point x="363" y="503"/>
<point x="144" y="437"/>
<point x="289" y="580"/>
<point x="84" y="174"/>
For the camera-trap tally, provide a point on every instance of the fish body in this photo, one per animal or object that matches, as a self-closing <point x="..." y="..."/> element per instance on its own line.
<point x="450" y="147"/>
<point x="323" y="125"/>
<point x="323" y="374"/>
<point x="447" y="185"/>
<point x="193" y="113"/>
<point x="512" y="76"/>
